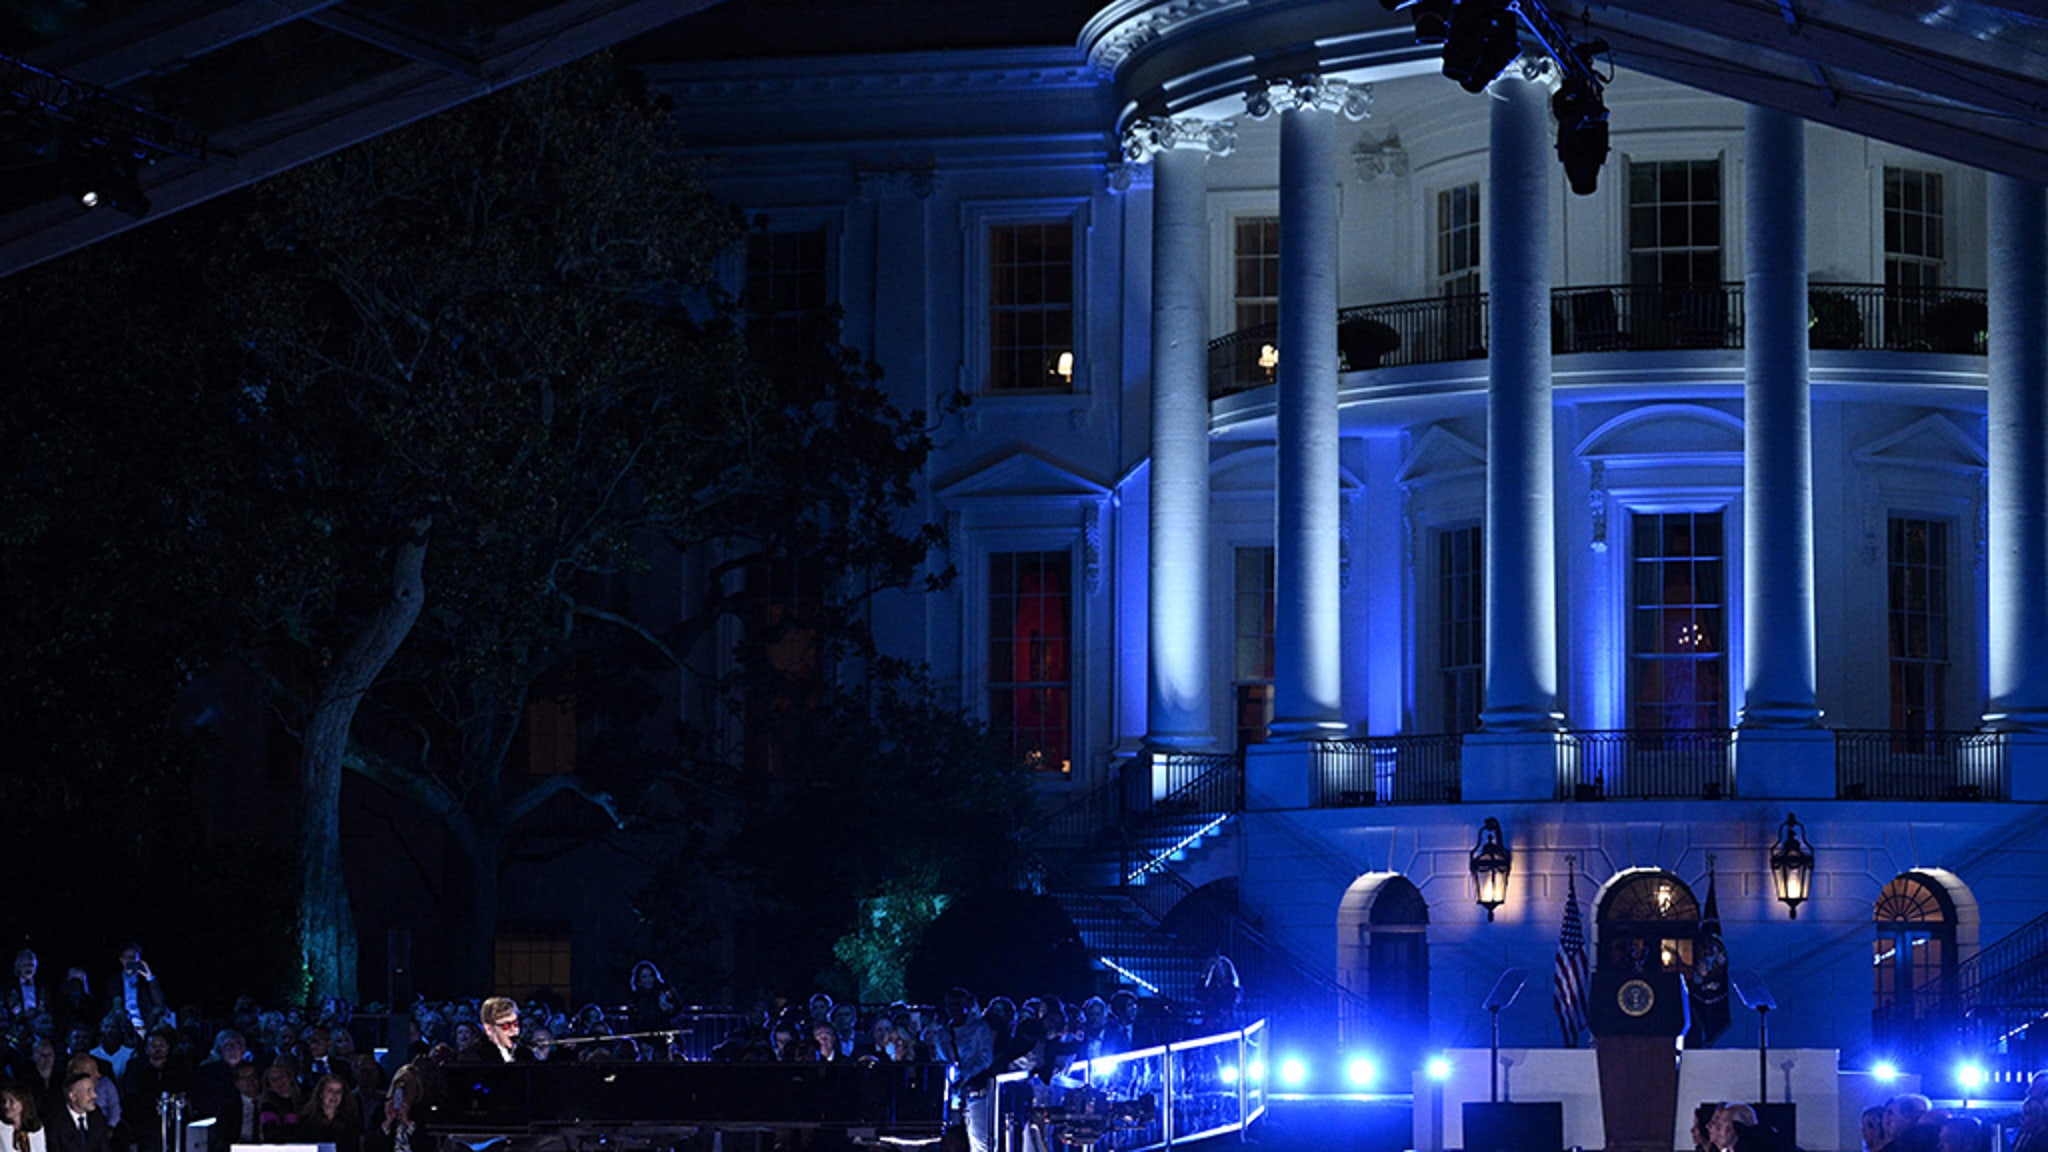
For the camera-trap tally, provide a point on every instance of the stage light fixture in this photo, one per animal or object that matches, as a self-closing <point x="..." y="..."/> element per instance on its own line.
<point x="1885" y="1071"/>
<point x="101" y="177"/>
<point x="1581" y="132"/>
<point x="1484" y="38"/>
<point x="1227" y="1074"/>
<point x="1438" y="1068"/>
<point x="1293" y="1072"/>
<point x="1432" y="18"/>
<point x="1361" y="1072"/>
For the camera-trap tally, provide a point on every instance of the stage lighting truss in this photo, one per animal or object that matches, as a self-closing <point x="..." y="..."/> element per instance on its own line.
<point x="1481" y="39"/>
<point x="103" y="141"/>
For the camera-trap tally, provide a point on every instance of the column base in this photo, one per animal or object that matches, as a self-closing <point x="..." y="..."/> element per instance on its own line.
<point x="1509" y="766"/>
<point x="2026" y="766"/>
<point x="1784" y="763"/>
<point x="1296" y="731"/>
<point x="1279" y="775"/>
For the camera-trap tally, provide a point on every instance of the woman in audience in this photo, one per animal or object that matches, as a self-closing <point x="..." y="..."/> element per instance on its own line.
<point x="278" y="1109"/>
<point x="331" y="1117"/>
<point x="21" y="1128"/>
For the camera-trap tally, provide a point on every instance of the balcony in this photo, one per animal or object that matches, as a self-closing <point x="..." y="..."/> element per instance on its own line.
<point x="1376" y="770"/>
<point x="1877" y="765"/>
<point x="1618" y="318"/>
<point x="1647" y="764"/>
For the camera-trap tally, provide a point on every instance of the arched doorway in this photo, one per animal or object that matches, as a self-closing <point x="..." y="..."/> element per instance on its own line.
<point x="1913" y="956"/>
<point x="1383" y="962"/>
<point x="1647" y="920"/>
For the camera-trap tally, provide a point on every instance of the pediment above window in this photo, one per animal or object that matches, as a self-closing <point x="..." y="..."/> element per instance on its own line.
<point x="1933" y="441"/>
<point x="1669" y="433"/>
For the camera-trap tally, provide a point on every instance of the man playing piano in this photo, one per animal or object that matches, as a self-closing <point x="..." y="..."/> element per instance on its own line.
<point x="500" y="1019"/>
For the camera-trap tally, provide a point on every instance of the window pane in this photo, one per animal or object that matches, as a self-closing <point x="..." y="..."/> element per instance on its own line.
<point x="1031" y="295"/>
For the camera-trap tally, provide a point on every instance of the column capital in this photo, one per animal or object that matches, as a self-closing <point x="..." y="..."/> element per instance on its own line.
<point x="1352" y="101"/>
<point x="1152" y="135"/>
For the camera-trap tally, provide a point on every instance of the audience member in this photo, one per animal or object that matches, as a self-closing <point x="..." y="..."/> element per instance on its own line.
<point x="21" y="1124"/>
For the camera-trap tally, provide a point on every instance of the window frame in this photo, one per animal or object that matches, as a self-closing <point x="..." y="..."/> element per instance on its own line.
<point x="979" y="221"/>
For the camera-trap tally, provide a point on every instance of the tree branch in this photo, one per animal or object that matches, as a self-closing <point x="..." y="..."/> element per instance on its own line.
<point x="528" y="802"/>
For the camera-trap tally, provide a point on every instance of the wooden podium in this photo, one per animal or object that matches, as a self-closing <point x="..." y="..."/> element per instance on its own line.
<point x="1637" y="1018"/>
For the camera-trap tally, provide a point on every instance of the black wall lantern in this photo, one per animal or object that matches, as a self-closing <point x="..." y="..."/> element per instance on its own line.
<point x="1792" y="865"/>
<point x="1491" y="863"/>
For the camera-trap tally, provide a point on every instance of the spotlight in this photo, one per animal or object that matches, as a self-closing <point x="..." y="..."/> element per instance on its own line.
<point x="1432" y="20"/>
<point x="1256" y="1071"/>
<point x="1227" y="1074"/>
<point x="1886" y="1071"/>
<point x="1581" y="133"/>
<point x="1293" y="1073"/>
<point x="1361" y="1072"/>
<point x="1970" y="1076"/>
<point x="1438" y="1068"/>
<point x="1484" y="38"/>
<point x="101" y="176"/>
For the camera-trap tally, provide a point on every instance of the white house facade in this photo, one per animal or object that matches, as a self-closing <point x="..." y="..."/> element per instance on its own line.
<point x="1335" y="479"/>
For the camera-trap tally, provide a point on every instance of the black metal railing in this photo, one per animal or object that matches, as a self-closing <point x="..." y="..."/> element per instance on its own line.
<point x="1615" y="318"/>
<point x="1646" y="764"/>
<point x="1993" y="1006"/>
<point x="1645" y="317"/>
<point x="1366" y="771"/>
<point x="1895" y="319"/>
<point x="1880" y="765"/>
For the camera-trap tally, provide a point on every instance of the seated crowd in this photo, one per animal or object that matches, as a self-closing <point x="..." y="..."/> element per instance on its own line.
<point x="82" y="1074"/>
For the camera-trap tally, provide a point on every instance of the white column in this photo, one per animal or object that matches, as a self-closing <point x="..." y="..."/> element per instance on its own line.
<point x="2017" y="489"/>
<point x="1308" y="699"/>
<point x="1179" y="647"/>
<point x="1520" y="535"/>
<point x="1777" y="436"/>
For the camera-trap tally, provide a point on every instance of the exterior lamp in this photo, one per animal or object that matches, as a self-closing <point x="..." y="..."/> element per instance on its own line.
<point x="1792" y="865"/>
<point x="1491" y="863"/>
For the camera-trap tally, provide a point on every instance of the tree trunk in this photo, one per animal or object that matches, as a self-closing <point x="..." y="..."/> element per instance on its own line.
<point x="480" y="938"/>
<point x="326" y="927"/>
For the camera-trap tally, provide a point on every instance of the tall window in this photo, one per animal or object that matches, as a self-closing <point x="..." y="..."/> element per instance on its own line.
<point x="781" y="656"/>
<point x="1253" y="656"/>
<point x="787" y="296"/>
<point x="1461" y="627"/>
<point x="1031" y="307"/>
<point x="1030" y="654"/>
<point x="1913" y="251"/>
<point x="1457" y="269"/>
<point x="1457" y="240"/>
<point x="1917" y="624"/>
<point x="1255" y="280"/>
<point x="1914" y="946"/>
<point x="1677" y="663"/>
<point x="1674" y="222"/>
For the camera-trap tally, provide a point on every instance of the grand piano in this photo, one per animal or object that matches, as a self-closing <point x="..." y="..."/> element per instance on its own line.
<point x="657" y="1103"/>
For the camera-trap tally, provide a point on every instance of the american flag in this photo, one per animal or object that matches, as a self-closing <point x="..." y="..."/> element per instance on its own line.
<point x="1568" y="986"/>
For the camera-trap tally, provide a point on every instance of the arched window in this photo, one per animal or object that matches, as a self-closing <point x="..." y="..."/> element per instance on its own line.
<point x="1649" y="921"/>
<point x="1912" y="953"/>
<point x="1395" y="937"/>
<point x="1383" y="945"/>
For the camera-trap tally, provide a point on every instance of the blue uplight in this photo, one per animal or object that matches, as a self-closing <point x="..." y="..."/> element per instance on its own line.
<point x="1361" y="1072"/>
<point x="1293" y="1073"/>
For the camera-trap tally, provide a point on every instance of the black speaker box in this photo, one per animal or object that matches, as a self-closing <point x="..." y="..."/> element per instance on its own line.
<point x="1537" y="1127"/>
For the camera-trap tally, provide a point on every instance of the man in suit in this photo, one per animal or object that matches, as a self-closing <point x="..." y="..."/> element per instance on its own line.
<point x="135" y="992"/>
<point x="24" y="996"/>
<point x="500" y="1019"/>
<point x="80" y="1127"/>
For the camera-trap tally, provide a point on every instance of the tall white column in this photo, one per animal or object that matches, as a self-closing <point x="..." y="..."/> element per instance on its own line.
<point x="1179" y="647"/>
<point x="1520" y="536"/>
<point x="2017" y="489"/>
<point x="1308" y="698"/>
<point x="1777" y="436"/>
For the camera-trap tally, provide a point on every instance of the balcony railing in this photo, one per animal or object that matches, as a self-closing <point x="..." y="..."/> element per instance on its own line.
<point x="1647" y="764"/>
<point x="1387" y="770"/>
<point x="1875" y="765"/>
<point x="1619" y="317"/>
